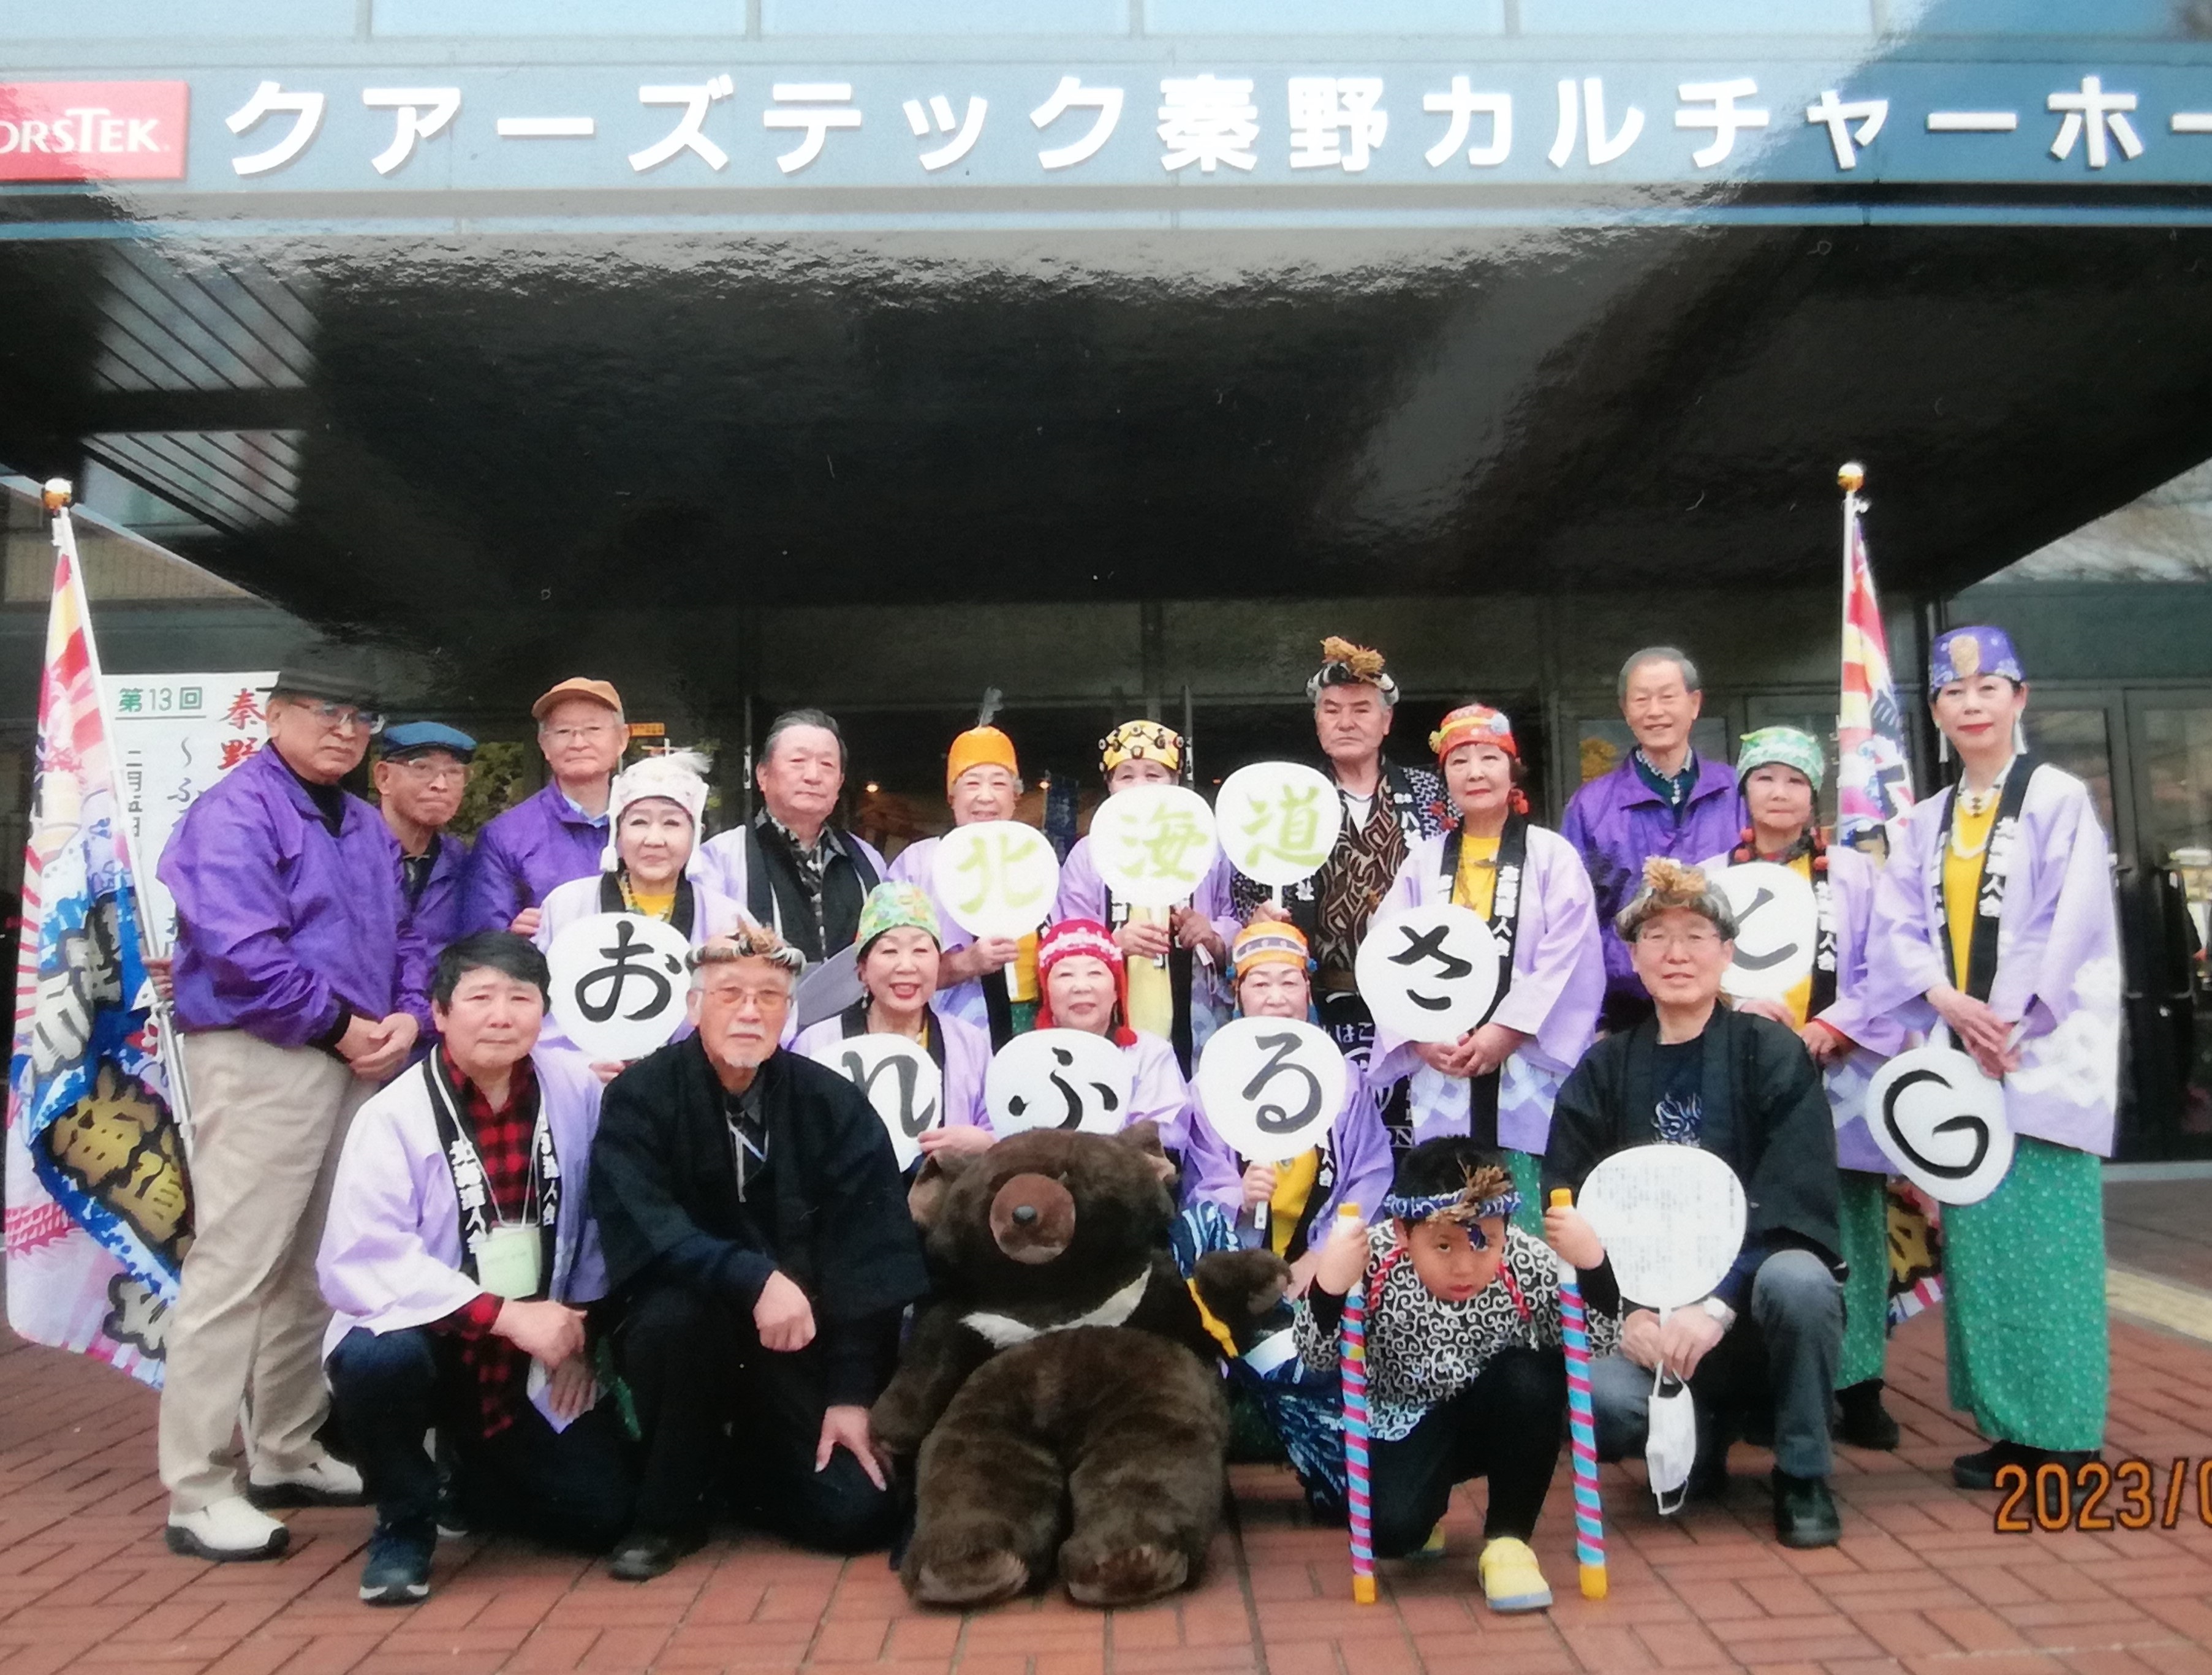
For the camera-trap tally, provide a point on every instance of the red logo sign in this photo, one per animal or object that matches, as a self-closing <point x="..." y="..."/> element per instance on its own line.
<point x="92" y="131"/>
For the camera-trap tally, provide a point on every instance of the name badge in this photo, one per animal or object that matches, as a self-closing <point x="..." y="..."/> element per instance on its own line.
<point x="508" y="1262"/>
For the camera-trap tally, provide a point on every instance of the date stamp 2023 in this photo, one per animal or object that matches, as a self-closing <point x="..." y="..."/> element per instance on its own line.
<point x="2095" y="1496"/>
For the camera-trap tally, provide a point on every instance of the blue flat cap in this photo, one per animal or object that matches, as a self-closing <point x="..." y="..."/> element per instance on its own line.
<point x="412" y="738"/>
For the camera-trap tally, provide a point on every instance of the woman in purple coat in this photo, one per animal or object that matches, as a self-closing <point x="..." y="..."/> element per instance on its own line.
<point x="1780" y="769"/>
<point x="897" y="940"/>
<point x="1995" y="916"/>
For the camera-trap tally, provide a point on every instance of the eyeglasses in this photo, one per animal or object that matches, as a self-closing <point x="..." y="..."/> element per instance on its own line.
<point x="339" y="717"/>
<point x="1695" y="941"/>
<point x="432" y="772"/>
<point x="574" y="735"/>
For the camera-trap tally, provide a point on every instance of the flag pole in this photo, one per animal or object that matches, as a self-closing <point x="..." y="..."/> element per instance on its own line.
<point x="58" y="495"/>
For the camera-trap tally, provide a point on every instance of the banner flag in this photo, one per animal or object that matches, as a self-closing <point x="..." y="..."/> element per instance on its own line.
<point x="99" y="1207"/>
<point x="1874" y="771"/>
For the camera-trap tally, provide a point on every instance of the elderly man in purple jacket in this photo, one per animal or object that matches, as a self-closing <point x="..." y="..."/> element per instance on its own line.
<point x="1660" y="801"/>
<point x="559" y="832"/>
<point x="300" y="986"/>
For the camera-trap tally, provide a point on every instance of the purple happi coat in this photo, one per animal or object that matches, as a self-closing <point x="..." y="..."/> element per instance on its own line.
<point x="543" y="841"/>
<point x="967" y="1058"/>
<point x="2058" y="952"/>
<point x="279" y="923"/>
<point x="1852" y="877"/>
<point x="1558" y="984"/>
<point x="1617" y="823"/>
<point x="391" y="1255"/>
<point x="1358" y="1148"/>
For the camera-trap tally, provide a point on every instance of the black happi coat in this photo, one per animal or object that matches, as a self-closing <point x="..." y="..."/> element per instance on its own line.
<point x="1764" y="1112"/>
<point x="834" y="1218"/>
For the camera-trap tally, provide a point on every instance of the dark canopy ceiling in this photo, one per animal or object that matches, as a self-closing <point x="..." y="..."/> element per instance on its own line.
<point x="686" y="420"/>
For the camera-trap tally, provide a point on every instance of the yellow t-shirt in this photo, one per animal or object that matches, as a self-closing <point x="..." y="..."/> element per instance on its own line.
<point x="1152" y="982"/>
<point x="653" y="907"/>
<point x="1800" y="999"/>
<point x="1294" y="1185"/>
<point x="1476" y="886"/>
<point x="1962" y="879"/>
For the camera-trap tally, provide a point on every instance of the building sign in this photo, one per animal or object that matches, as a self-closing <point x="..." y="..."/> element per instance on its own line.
<point x="174" y="735"/>
<point x="93" y="130"/>
<point x="1570" y="125"/>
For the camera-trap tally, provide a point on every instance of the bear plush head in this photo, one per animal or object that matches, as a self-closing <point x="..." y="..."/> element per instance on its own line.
<point x="1049" y="1217"/>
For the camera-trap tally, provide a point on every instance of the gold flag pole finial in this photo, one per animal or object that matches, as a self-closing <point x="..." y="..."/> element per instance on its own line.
<point x="57" y="494"/>
<point x="1851" y="477"/>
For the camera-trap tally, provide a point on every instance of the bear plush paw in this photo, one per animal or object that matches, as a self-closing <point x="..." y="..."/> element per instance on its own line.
<point x="1125" y="1576"/>
<point x="1240" y="1286"/>
<point x="969" y="1580"/>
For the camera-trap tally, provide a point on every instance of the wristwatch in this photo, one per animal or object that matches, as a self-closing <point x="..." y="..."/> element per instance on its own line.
<point x="1720" y="1311"/>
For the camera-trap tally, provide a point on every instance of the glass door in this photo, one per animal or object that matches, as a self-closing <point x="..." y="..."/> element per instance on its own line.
<point x="2171" y="744"/>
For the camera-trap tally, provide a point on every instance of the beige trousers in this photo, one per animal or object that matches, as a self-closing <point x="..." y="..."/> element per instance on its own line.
<point x="267" y="1122"/>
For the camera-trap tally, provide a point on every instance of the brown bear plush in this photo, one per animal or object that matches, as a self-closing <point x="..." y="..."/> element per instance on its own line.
<point x="1058" y="1390"/>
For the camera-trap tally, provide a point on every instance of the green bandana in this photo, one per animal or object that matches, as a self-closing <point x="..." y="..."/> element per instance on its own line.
<point x="892" y="907"/>
<point x="1786" y="746"/>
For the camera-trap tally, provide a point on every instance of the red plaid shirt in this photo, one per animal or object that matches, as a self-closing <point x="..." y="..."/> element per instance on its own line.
<point x="502" y="1139"/>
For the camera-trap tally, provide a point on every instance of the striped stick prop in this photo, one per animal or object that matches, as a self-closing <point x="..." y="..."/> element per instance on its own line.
<point x="1582" y="1424"/>
<point x="1357" y="1483"/>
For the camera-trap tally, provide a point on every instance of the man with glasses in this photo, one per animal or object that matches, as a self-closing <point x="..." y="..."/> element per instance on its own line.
<point x="559" y="832"/>
<point x="1759" y="1354"/>
<point x="422" y="772"/>
<point x="301" y="985"/>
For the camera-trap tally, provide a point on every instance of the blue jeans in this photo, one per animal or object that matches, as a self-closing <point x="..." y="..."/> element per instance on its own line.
<point x="573" y="1487"/>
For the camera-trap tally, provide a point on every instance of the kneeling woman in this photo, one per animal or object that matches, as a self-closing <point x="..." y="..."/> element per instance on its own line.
<point x="899" y="951"/>
<point x="1084" y="987"/>
<point x="1466" y="1373"/>
<point x="1495" y="1084"/>
<point x="653" y="808"/>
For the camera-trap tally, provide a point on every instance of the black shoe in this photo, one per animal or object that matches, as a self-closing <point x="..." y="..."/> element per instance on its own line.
<point x="1805" y="1512"/>
<point x="1708" y="1477"/>
<point x="398" y="1569"/>
<point x="1864" y="1423"/>
<point x="643" y="1555"/>
<point x="1980" y="1471"/>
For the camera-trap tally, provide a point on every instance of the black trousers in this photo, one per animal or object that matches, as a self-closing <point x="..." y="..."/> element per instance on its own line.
<point x="1506" y="1426"/>
<point x="570" y="1488"/>
<point x="716" y="1407"/>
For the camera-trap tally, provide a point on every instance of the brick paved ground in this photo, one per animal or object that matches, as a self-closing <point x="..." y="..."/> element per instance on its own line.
<point x="1920" y="1584"/>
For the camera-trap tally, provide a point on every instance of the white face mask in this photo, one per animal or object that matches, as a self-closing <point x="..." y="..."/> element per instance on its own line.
<point x="1670" y="1443"/>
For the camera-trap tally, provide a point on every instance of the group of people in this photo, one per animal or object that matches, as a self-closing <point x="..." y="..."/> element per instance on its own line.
<point x="624" y="1296"/>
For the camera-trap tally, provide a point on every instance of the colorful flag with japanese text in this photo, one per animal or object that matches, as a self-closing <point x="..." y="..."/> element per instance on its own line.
<point x="1873" y="773"/>
<point x="98" y="1208"/>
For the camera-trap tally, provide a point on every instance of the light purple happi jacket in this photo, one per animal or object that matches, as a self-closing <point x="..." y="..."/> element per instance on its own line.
<point x="1558" y="985"/>
<point x="1357" y="1142"/>
<point x="1880" y="1034"/>
<point x="391" y="1255"/>
<point x="2058" y="953"/>
<point x="1158" y="1092"/>
<point x="967" y="1058"/>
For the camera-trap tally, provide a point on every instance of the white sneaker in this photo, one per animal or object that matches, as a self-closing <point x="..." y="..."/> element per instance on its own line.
<point x="226" y="1530"/>
<point x="326" y="1482"/>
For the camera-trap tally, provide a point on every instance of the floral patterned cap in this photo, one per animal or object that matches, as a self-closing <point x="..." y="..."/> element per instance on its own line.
<point x="1783" y="747"/>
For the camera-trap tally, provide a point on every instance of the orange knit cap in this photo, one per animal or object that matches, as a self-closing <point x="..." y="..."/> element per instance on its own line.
<point x="980" y="747"/>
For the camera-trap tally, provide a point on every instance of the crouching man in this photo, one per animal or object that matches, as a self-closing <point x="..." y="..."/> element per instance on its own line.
<point x="1761" y="1350"/>
<point x="759" y="1238"/>
<point x="460" y="1257"/>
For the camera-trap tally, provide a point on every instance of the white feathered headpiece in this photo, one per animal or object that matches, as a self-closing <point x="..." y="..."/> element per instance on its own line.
<point x="679" y="775"/>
